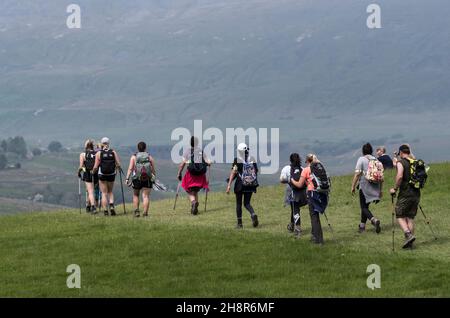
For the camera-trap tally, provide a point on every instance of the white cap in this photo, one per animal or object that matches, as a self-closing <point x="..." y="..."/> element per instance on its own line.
<point x="242" y="147"/>
<point x="105" y="141"/>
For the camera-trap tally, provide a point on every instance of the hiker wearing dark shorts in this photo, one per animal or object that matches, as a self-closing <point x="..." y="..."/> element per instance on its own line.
<point x="244" y="171"/>
<point x="86" y="173"/>
<point x="140" y="176"/>
<point x="369" y="191"/>
<point x="107" y="162"/>
<point x="195" y="178"/>
<point x="408" y="197"/>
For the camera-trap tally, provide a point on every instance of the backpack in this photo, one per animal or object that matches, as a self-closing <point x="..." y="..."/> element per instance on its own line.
<point x="143" y="168"/>
<point x="107" y="162"/>
<point x="197" y="168"/>
<point x="249" y="176"/>
<point x="301" y="192"/>
<point x="417" y="173"/>
<point x="320" y="179"/>
<point x="375" y="171"/>
<point x="89" y="161"/>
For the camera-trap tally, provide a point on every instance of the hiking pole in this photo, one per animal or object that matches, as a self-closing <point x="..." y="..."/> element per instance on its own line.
<point x="121" y="187"/>
<point x="329" y="225"/>
<point x="428" y="222"/>
<point x="79" y="193"/>
<point x="393" y="222"/>
<point x="176" y="195"/>
<point x="207" y="190"/>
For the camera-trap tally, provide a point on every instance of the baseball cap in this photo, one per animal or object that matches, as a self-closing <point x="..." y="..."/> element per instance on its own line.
<point x="105" y="141"/>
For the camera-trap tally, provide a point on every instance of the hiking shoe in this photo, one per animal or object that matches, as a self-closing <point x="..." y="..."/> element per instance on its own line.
<point x="196" y="208"/>
<point x="192" y="208"/>
<point x="361" y="228"/>
<point x="255" y="220"/>
<point x="106" y="213"/>
<point x="297" y="231"/>
<point x="137" y="213"/>
<point x="290" y="227"/>
<point x="88" y="209"/>
<point x="239" y="226"/>
<point x="93" y="210"/>
<point x="113" y="212"/>
<point x="409" y="240"/>
<point x="145" y="214"/>
<point x="377" y="224"/>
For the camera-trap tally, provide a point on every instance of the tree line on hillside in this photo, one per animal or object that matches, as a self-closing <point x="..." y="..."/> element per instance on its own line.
<point x="13" y="150"/>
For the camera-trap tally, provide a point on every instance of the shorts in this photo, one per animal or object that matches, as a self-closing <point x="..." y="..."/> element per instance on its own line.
<point x="194" y="189"/>
<point x="87" y="177"/>
<point x="406" y="207"/>
<point x="108" y="178"/>
<point x="138" y="184"/>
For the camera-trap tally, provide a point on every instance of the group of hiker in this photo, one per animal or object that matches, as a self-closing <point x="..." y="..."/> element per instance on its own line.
<point x="307" y="185"/>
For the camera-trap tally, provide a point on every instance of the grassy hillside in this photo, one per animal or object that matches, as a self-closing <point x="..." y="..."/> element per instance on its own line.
<point x="173" y="254"/>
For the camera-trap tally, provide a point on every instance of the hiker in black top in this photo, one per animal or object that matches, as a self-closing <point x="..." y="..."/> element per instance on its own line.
<point x="408" y="198"/>
<point x="243" y="171"/>
<point x="107" y="162"/>
<point x="296" y="196"/>
<point x="140" y="178"/>
<point x="86" y="173"/>
<point x="384" y="158"/>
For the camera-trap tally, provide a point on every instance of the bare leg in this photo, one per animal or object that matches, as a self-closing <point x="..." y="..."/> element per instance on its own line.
<point x="110" y="192"/>
<point x="136" y="199"/>
<point x="403" y="224"/>
<point x="146" y="199"/>
<point x="91" y="196"/>
<point x="104" y="190"/>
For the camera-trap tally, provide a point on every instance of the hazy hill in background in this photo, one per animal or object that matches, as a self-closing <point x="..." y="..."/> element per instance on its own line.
<point x="138" y="69"/>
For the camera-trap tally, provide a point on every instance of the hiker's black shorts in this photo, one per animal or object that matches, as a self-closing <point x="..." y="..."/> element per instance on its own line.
<point x="87" y="177"/>
<point x="109" y="178"/>
<point x="138" y="184"/>
<point x="407" y="206"/>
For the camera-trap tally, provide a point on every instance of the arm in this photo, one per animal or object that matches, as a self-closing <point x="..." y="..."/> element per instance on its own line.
<point x="398" y="178"/>
<point x="355" y="181"/>
<point x="81" y="161"/>
<point x="118" y="165"/>
<point x="152" y="161"/>
<point x="300" y="183"/>
<point x="180" y="169"/>
<point x="97" y="161"/>
<point x="131" y="167"/>
<point x="230" y="179"/>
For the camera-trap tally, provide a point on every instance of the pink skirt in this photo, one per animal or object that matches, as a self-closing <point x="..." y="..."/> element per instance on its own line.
<point x="191" y="182"/>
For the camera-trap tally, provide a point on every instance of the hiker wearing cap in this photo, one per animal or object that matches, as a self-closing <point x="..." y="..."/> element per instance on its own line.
<point x="195" y="177"/>
<point x="141" y="175"/>
<point x="107" y="161"/>
<point x="408" y="197"/>
<point x="369" y="179"/>
<point x="86" y="173"/>
<point x="244" y="172"/>
<point x="317" y="181"/>
<point x="295" y="197"/>
<point x="384" y="158"/>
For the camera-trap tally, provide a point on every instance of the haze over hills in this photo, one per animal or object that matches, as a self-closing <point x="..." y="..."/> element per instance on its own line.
<point x="139" y="69"/>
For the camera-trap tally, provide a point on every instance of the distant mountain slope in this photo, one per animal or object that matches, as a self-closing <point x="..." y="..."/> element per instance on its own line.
<point x="144" y="67"/>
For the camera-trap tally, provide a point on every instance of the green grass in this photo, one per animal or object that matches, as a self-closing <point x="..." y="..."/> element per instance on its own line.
<point x="172" y="254"/>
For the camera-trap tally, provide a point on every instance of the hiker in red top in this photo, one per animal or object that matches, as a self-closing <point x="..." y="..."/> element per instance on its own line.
<point x="195" y="177"/>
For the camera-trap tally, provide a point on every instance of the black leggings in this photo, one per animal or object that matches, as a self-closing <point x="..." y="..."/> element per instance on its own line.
<point x="295" y="209"/>
<point x="247" y="197"/>
<point x="365" y="212"/>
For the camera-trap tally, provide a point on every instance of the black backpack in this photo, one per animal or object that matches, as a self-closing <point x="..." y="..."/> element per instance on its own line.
<point x="107" y="162"/>
<point x="89" y="161"/>
<point x="197" y="168"/>
<point x="320" y="179"/>
<point x="298" y="193"/>
<point x="417" y="173"/>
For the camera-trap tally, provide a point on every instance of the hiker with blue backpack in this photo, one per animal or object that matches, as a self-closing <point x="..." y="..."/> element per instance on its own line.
<point x="369" y="178"/>
<point x="141" y="175"/>
<point x="295" y="197"/>
<point x="244" y="172"/>
<point x="318" y="185"/>
<point x="195" y="178"/>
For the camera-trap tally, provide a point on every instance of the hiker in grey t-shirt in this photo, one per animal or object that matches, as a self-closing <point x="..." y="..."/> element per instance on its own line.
<point x="368" y="192"/>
